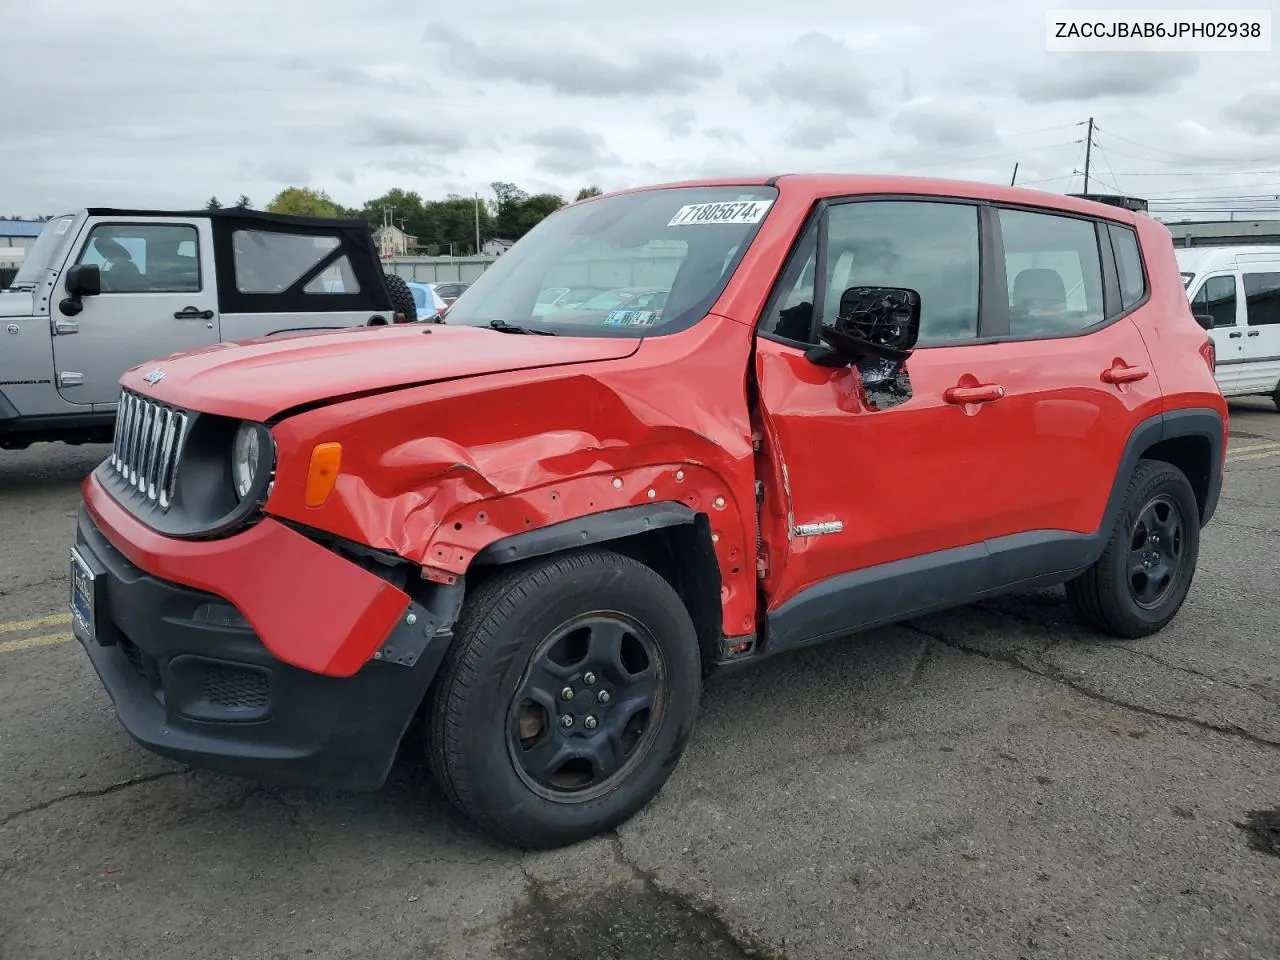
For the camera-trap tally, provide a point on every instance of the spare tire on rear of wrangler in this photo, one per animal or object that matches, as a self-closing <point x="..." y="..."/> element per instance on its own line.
<point x="402" y="301"/>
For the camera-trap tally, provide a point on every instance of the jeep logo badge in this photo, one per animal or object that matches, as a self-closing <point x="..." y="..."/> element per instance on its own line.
<point x="154" y="377"/>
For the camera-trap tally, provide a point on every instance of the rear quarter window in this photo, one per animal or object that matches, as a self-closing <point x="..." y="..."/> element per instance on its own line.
<point x="1133" y="284"/>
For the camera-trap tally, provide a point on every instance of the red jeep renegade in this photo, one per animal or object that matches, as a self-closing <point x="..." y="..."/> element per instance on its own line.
<point x="857" y="400"/>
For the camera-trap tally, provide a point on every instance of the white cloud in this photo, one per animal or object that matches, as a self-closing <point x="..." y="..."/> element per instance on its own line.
<point x="165" y="102"/>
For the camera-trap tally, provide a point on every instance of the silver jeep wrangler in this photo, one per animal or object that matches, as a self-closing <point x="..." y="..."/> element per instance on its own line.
<point x="102" y="291"/>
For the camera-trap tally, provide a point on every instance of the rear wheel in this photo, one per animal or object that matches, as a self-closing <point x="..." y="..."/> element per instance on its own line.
<point x="1275" y="397"/>
<point x="402" y="301"/>
<point x="566" y="699"/>
<point x="1140" y="582"/>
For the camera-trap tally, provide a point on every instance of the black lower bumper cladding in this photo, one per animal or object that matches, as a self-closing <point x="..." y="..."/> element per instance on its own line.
<point x="190" y="680"/>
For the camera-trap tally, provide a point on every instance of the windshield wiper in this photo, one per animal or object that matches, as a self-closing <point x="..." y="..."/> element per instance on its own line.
<point x="505" y="327"/>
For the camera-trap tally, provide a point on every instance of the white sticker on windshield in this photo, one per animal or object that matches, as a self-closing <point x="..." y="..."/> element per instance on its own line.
<point x="740" y="211"/>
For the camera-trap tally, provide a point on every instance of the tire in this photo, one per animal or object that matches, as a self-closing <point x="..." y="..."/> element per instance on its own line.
<point x="505" y="674"/>
<point x="1275" y="397"/>
<point x="1106" y="596"/>
<point x="402" y="301"/>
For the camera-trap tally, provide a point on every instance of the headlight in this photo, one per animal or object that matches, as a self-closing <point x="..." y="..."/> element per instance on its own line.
<point x="246" y="457"/>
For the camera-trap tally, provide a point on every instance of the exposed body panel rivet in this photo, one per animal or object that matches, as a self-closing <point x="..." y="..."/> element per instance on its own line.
<point x="411" y="619"/>
<point x="566" y="693"/>
<point x="719" y="504"/>
<point x="604" y="697"/>
<point x="589" y="678"/>
<point x="617" y="483"/>
<point x="679" y="474"/>
<point x="566" y="721"/>
<point x="590" y="723"/>
<point x="715" y="538"/>
<point x="652" y="493"/>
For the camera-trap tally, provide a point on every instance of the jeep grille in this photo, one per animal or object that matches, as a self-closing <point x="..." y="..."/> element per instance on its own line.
<point x="148" y="442"/>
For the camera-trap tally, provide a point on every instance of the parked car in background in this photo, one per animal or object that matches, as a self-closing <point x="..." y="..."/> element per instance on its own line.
<point x="554" y="299"/>
<point x="431" y="306"/>
<point x="535" y="538"/>
<point x="1235" y="295"/>
<point x="449" y="291"/>
<point x="101" y="290"/>
<point x="622" y="305"/>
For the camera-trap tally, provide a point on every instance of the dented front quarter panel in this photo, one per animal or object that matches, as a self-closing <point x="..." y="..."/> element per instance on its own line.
<point x="437" y="473"/>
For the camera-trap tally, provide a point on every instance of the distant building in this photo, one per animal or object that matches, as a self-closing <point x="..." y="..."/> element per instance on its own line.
<point x="496" y="247"/>
<point x="394" y="242"/>
<point x="16" y="237"/>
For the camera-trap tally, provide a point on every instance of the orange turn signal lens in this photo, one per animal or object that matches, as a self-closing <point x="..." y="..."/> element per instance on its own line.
<point x="326" y="459"/>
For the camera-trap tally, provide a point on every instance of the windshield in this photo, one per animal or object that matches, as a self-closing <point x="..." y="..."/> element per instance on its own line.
<point x="41" y="253"/>
<point x="636" y="264"/>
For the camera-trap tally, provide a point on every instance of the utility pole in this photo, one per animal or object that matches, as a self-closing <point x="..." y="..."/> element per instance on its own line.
<point x="477" y="224"/>
<point x="1088" y="153"/>
<point x="1014" y="178"/>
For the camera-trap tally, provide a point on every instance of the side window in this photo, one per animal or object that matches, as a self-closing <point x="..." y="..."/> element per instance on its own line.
<point x="930" y="246"/>
<point x="1133" y="285"/>
<point x="1262" y="298"/>
<point x="1217" y="298"/>
<point x="1054" y="273"/>
<point x="270" y="262"/>
<point x="144" y="258"/>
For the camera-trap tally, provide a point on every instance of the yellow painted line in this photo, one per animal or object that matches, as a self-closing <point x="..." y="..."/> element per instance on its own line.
<point x="17" y="626"/>
<point x="1255" y="456"/>
<point x="28" y="643"/>
<point x="1255" y="446"/>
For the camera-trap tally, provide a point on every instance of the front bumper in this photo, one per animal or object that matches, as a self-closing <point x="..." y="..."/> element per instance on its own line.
<point x="191" y="679"/>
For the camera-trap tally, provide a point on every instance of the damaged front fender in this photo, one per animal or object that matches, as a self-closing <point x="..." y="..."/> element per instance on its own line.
<point x="441" y="473"/>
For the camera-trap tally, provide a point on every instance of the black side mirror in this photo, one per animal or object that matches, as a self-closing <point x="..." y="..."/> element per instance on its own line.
<point x="880" y="322"/>
<point x="1206" y="320"/>
<point x="84" y="280"/>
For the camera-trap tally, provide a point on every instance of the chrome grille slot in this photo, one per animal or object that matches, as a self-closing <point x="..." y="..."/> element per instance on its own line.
<point x="147" y="446"/>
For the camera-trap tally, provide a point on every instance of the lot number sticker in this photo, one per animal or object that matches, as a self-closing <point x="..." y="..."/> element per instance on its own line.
<point x="740" y="211"/>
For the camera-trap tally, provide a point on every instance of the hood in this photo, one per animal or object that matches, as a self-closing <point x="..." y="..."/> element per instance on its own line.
<point x="15" y="303"/>
<point x="256" y="379"/>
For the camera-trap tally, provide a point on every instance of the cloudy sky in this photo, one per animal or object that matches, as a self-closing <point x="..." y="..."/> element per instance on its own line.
<point x="165" y="102"/>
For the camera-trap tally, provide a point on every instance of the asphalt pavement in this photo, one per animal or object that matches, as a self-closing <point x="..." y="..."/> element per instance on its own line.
<point x="994" y="782"/>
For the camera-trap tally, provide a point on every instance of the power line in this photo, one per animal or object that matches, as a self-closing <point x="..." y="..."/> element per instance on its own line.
<point x="1183" y="156"/>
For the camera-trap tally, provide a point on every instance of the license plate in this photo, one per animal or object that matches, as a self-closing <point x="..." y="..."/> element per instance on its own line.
<point x="82" y="594"/>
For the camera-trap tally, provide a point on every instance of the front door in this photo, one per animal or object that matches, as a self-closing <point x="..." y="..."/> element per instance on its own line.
<point x="1217" y="297"/>
<point x="1262" y="331"/>
<point x="862" y="486"/>
<point x="158" y="297"/>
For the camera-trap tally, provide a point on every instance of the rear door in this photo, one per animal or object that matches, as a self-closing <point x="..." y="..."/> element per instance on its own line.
<point x="278" y="275"/>
<point x="157" y="298"/>
<point x="1262" y="331"/>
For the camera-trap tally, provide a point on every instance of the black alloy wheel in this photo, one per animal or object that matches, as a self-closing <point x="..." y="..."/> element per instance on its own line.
<point x="1155" y="551"/>
<point x="587" y="707"/>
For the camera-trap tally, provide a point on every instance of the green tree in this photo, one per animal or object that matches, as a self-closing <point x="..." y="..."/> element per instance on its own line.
<point x="243" y="202"/>
<point x="588" y="192"/>
<point x="518" y="212"/>
<point x="305" y="202"/>
<point x="213" y="204"/>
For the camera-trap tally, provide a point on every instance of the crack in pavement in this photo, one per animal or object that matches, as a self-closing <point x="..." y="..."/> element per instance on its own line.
<point x="1196" y="673"/>
<point x="746" y="942"/>
<point x="1248" y="526"/>
<point x="20" y="588"/>
<point x="93" y="793"/>
<point x="1056" y="675"/>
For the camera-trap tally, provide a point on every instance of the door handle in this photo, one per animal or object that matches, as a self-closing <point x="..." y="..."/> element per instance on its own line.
<point x="983" y="393"/>
<point x="1255" y="333"/>
<point x="1120" y="373"/>
<point x="63" y="328"/>
<point x="191" y="313"/>
<point x="1235" y="335"/>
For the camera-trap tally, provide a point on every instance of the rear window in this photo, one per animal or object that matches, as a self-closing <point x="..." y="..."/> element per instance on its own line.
<point x="632" y="265"/>
<point x="1133" y="284"/>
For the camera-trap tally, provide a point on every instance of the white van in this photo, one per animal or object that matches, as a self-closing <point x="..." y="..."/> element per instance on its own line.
<point x="1239" y="289"/>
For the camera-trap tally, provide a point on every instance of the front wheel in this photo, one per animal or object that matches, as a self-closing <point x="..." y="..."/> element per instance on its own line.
<point x="566" y="700"/>
<point x="1139" y="583"/>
